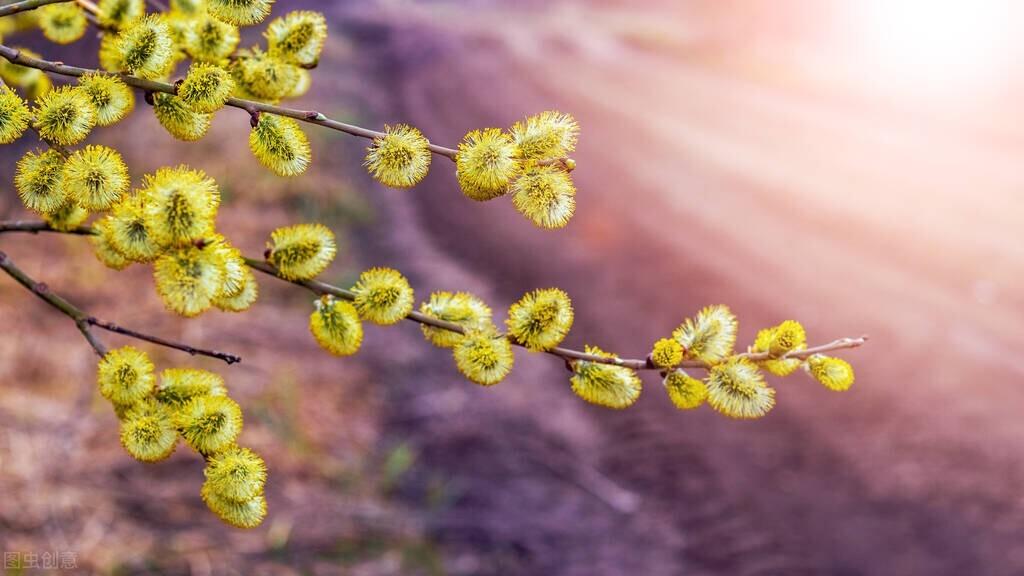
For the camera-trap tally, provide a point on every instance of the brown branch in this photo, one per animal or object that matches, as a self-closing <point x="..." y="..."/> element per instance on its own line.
<point x="249" y="106"/>
<point x="26" y="5"/>
<point x="568" y="354"/>
<point x="111" y="327"/>
<point x="81" y="318"/>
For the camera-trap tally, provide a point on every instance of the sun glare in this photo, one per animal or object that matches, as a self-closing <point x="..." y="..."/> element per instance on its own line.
<point x="952" y="48"/>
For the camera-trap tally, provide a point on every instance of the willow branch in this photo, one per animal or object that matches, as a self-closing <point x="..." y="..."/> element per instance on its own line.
<point x="26" y="5"/>
<point x="567" y="354"/>
<point x="80" y="318"/>
<point x="250" y="106"/>
<point x="83" y="320"/>
<point x="35" y="227"/>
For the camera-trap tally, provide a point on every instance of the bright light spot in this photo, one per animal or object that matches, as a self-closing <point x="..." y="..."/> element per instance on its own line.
<point x="943" y="48"/>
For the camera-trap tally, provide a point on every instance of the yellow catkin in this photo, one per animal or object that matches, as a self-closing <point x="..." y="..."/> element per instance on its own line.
<point x="383" y="296"/>
<point x="302" y="251"/>
<point x="710" y="336"/>
<point x="336" y="326"/>
<point x="605" y="384"/>
<point x="737" y="389"/>
<point x="667" y="353"/>
<point x="541" y="319"/>
<point x="834" y="373"/>
<point x="685" y="391"/>
<point x="483" y="356"/>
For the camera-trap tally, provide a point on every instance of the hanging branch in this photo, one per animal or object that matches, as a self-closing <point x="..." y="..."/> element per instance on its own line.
<point x="26" y="5"/>
<point x="566" y="354"/>
<point x="86" y="322"/>
<point x="249" y="106"/>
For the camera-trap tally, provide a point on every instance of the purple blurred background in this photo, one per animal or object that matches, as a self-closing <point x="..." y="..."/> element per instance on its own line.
<point x="853" y="165"/>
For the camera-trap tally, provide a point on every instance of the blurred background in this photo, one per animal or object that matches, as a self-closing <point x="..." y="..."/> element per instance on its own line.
<point x="851" y="164"/>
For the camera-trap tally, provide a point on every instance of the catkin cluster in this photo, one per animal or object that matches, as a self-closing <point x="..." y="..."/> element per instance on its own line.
<point x="169" y="219"/>
<point x="529" y="162"/>
<point x="191" y="405"/>
<point x="541" y="320"/>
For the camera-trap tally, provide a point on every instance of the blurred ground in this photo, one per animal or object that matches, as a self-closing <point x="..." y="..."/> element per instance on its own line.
<point x="710" y="170"/>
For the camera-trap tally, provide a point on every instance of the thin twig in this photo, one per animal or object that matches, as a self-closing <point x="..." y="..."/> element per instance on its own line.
<point x="85" y="322"/>
<point x="25" y="5"/>
<point x="111" y="327"/>
<point x="249" y="106"/>
<point x="567" y="354"/>
<point x="89" y="7"/>
<point x="80" y="318"/>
